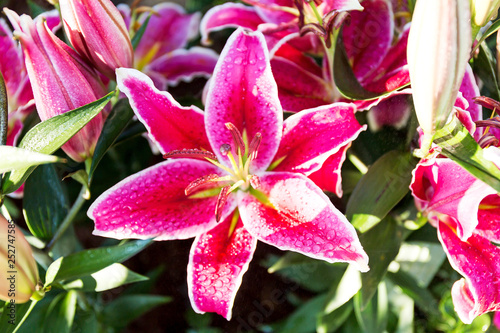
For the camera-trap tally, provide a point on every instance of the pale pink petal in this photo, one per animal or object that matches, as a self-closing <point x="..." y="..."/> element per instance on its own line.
<point x="329" y="177"/>
<point x="299" y="89"/>
<point x="311" y="136"/>
<point x="12" y="63"/>
<point x="301" y="218"/>
<point x="368" y="37"/>
<point x="52" y="19"/>
<point x="217" y="262"/>
<point x="440" y="186"/>
<point x="169" y="28"/>
<point x="14" y="130"/>
<point x="170" y="125"/>
<point x="184" y="65"/>
<point x="152" y="204"/>
<point x="478" y="261"/>
<point x="341" y="5"/>
<point x="125" y="12"/>
<point x="228" y="15"/>
<point x="274" y="11"/>
<point x="243" y="92"/>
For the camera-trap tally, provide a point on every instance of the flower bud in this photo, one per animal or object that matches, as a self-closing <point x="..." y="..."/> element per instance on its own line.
<point x="18" y="270"/>
<point x="97" y="31"/>
<point x="60" y="79"/>
<point x="483" y="11"/>
<point x="438" y="50"/>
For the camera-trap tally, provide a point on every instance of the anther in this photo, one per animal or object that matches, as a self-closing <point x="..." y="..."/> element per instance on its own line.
<point x="190" y="153"/>
<point x="254" y="146"/>
<point x="237" y="138"/>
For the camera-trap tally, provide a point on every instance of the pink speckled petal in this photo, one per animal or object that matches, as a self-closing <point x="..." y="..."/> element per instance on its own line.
<point x="478" y="261"/>
<point x="12" y="63"/>
<point x="243" y="92"/>
<point x="368" y="37"/>
<point x="297" y="87"/>
<point x="170" y="28"/>
<point x="152" y="204"/>
<point x="302" y="219"/>
<point x="440" y="186"/>
<point x="329" y="177"/>
<point x="13" y="132"/>
<point x="311" y="136"/>
<point x="489" y="218"/>
<point x="185" y="65"/>
<point x="216" y="266"/>
<point x="52" y="19"/>
<point x="228" y="15"/>
<point x="170" y="125"/>
<point x="340" y="5"/>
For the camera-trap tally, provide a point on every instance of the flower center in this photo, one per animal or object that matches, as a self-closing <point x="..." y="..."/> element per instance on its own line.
<point x="240" y="155"/>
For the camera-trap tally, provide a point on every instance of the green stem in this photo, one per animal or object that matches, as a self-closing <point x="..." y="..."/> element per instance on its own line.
<point x="32" y="305"/>
<point x="80" y="200"/>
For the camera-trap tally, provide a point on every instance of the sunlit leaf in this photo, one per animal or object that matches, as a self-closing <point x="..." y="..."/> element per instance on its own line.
<point x="50" y="135"/>
<point x="110" y="277"/>
<point x="14" y="158"/>
<point x="373" y="316"/>
<point x="61" y="313"/>
<point x="90" y="261"/>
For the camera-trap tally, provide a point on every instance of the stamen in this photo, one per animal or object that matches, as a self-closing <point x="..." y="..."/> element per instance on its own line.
<point x="493" y="122"/>
<point x="191" y="153"/>
<point x="221" y="201"/>
<point x="204" y="181"/>
<point x="253" y="149"/>
<point x="237" y="138"/>
<point x="488" y="140"/>
<point x="488" y="103"/>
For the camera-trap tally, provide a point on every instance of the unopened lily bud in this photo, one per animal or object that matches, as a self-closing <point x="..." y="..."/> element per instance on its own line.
<point x="97" y="31"/>
<point x="438" y="49"/>
<point x="53" y="2"/>
<point x="483" y="11"/>
<point x="61" y="80"/>
<point x="18" y="270"/>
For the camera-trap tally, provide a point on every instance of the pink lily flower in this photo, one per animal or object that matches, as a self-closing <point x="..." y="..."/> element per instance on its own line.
<point x="61" y="80"/>
<point x="98" y="33"/>
<point x="161" y="52"/>
<point x="234" y="194"/>
<point x="279" y="20"/>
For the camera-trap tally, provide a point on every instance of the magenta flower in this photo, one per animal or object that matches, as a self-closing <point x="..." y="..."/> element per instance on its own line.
<point x="98" y="33"/>
<point x="466" y="213"/>
<point x="240" y="175"/>
<point x="161" y="52"/>
<point x="60" y="79"/>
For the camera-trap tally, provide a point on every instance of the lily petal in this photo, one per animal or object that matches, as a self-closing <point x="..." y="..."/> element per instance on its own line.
<point x="478" y="261"/>
<point x="228" y="15"/>
<point x="440" y="186"/>
<point x="169" y="28"/>
<point x="301" y="218"/>
<point x="184" y="65"/>
<point x="329" y="177"/>
<point x="489" y="218"/>
<point x="243" y="92"/>
<point x="217" y="262"/>
<point x="170" y="125"/>
<point x="369" y="36"/>
<point x="152" y="204"/>
<point x="311" y="136"/>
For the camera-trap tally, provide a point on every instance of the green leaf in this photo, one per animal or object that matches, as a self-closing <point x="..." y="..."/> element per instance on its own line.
<point x="422" y="297"/>
<point x="303" y="319"/>
<point x="457" y="144"/>
<point x="374" y="316"/>
<point x="4" y="112"/>
<point x="50" y="135"/>
<point x="380" y="189"/>
<point x="113" y="127"/>
<point x="86" y="322"/>
<point x="81" y="177"/>
<point x="485" y="68"/>
<point x="490" y="31"/>
<point x="331" y="322"/>
<point x="421" y="260"/>
<point x="45" y="202"/>
<point x="35" y="9"/>
<point x="120" y="312"/>
<point x="342" y="292"/>
<point x="110" y="277"/>
<point x="90" y="261"/>
<point x="381" y="254"/>
<point x="138" y="34"/>
<point x="14" y="158"/>
<point x="61" y="313"/>
<point x="11" y="316"/>
<point x="345" y="80"/>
